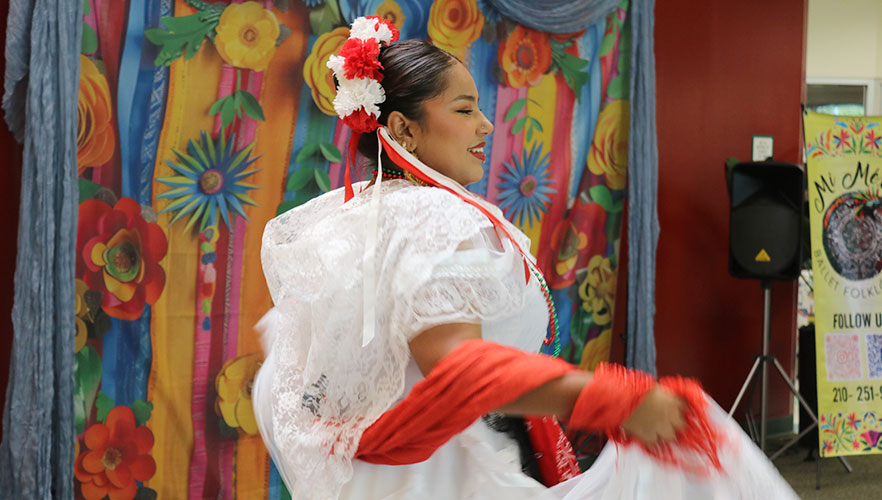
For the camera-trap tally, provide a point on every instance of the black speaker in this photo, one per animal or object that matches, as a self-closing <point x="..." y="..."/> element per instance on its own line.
<point x="765" y="220"/>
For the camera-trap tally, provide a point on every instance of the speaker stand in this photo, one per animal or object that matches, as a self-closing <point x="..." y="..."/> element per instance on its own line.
<point x="765" y="359"/>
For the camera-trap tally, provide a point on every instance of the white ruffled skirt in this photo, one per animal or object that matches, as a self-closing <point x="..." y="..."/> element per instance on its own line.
<point x="482" y="464"/>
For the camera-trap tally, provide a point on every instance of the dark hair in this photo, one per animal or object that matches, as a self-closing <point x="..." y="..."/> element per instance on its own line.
<point x="413" y="71"/>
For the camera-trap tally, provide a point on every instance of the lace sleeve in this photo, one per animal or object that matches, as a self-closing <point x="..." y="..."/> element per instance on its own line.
<point x="474" y="285"/>
<point x="452" y="267"/>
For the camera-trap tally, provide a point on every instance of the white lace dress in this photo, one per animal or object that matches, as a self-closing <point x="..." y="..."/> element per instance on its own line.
<point x="438" y="260"/>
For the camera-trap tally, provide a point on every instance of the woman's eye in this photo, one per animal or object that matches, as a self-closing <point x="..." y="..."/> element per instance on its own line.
<point x="465" y="111"/>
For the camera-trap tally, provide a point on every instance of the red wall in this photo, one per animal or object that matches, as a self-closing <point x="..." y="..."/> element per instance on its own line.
<point x="11" y="164"/>
<point x="725" y="71"/>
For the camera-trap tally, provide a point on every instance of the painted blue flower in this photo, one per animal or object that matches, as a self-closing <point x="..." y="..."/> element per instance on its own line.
<point x="209" y="181"/>
<point x="524" y="189"/>
<point x="491" y="15"/>
<point x="415" y="12"/>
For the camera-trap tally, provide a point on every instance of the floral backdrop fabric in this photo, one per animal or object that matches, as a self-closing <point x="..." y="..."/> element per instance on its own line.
<point x="201" y="120"/>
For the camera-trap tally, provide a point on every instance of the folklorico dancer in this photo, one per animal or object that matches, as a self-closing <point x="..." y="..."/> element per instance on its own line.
<point x="401" y="349"/>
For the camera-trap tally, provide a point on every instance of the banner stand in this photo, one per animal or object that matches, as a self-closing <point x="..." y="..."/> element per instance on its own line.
<point x="844" y="182"/>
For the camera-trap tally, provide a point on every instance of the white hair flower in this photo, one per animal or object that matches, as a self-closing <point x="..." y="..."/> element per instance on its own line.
<point x="335" y="63"/>
<point x="366" y="28"/>
<point x="359" y="93"/>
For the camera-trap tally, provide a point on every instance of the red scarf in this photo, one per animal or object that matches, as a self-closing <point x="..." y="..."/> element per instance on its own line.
<point x="472" y="380"/>
<point x="615" y="392"/>
<point x="478" y="377"/>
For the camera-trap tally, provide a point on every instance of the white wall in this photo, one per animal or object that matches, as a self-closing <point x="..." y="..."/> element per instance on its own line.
<point x="844" y="39"/>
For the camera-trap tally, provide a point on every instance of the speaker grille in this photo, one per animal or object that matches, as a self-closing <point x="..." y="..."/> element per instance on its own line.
<point x="765" y="220"/>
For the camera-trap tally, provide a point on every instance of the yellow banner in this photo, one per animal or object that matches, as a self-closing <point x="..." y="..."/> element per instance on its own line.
<point x="845" y="211"/>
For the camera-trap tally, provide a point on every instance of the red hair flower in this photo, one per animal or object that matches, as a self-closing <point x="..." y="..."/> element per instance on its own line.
<point x="361" y="122"/>
<point x="361" y="59"/>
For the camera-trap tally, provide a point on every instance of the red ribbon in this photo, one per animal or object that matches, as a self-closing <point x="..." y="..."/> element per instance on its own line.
<point x="347" y="177"/>
<point x="416" y="172"/>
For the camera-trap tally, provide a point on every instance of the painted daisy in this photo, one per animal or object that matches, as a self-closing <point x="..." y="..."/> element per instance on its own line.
<point x="209" y="181"/>
<point x="523" y="192"/>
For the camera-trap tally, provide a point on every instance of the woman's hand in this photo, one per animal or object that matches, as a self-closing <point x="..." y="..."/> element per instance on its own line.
<point x="658" y="417"/>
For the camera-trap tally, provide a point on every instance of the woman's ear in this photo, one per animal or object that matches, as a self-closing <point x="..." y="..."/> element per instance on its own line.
<point x="403" y="130"/>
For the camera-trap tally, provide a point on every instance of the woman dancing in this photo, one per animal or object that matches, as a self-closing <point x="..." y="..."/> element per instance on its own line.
<point x="408" y="314"/>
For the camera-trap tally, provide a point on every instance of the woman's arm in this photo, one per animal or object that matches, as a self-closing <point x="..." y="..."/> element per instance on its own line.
<point x="657" y="418"/>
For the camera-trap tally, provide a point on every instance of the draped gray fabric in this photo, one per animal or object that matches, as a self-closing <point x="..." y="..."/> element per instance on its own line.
<point x="555" y="16"/>
<point x="643" y="224"/>
<point x="40" y="100"/>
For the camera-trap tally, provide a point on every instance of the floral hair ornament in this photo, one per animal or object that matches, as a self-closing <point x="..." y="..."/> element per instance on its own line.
<point x="359" y="72"/>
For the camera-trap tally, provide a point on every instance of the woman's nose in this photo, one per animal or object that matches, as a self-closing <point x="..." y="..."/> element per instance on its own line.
<point x="487" y="125"/>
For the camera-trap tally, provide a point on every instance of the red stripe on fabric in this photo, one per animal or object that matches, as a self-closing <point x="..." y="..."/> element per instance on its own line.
<point x="214" y="470"/>
<point x="111" y="22"/>
<point x="475" y="378"/>
<point x="208" y="354"/>
<point x="111" y="18"/>
<point x="561" y="160"/>
<point x="504" y="142"/>
<point x="248" y="129"/>
<point x="225" y="88"/>
<point x="341" y="139"/>
<point x="227" y="449"/>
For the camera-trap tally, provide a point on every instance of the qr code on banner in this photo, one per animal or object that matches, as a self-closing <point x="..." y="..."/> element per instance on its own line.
<point x="874" y="355"/>
<point x="843" y="356"/>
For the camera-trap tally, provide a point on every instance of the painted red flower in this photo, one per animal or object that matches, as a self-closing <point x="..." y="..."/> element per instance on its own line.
<point x="841" y="140"/>
<point x="525" y="56"/>
<point x="116" y="456"/>
<point x="362" y="59"/>
<point x="872" y="438"/>
<point x="873" y="141"/>
<point x="118" y="253"/>
<point x="575" y="240"/>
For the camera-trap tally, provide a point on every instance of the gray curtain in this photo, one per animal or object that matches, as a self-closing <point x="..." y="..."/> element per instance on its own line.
<point x="40" y="101"/>
<point x="555" y="16"/>
<point x="643" y="225"/>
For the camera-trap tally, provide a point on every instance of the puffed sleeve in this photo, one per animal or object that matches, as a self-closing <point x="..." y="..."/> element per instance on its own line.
<point x="447" y="264"/>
